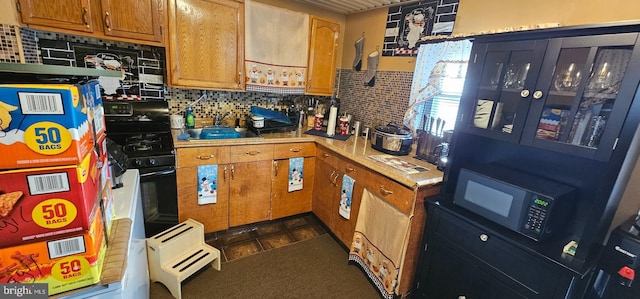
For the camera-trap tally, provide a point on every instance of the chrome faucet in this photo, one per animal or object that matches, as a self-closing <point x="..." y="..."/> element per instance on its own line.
<point x="217" y="119"/>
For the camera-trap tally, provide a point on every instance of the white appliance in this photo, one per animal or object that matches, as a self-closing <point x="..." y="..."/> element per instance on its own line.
<point x="135" y="282"/>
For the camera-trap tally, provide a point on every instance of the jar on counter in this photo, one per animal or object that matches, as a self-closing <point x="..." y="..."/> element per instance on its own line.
<point x="257" y="121"/>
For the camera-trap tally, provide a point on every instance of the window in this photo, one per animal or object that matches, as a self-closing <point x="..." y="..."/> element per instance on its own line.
<point x="445" y="105"/>
<point x="437" y="85"/>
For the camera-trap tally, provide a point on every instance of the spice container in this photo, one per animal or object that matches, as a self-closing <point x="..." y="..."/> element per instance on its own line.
<point x="257" y="121"/>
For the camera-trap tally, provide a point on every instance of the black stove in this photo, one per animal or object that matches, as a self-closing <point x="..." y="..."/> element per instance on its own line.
<point x="142" y="129"/>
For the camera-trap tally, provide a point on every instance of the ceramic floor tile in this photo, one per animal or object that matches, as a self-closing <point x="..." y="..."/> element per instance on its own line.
<point x="294" y="223"/>
<point x="243" y="249"/>
<point x="275" y="241"/>
<point x="304" y="233"/>
<point x="270" y="228"/>
<point x="232" y="238"/>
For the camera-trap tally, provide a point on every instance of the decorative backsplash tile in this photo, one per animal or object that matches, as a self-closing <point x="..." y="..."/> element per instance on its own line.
<point x="385" y="102"/>
<point x="18" y="45"/>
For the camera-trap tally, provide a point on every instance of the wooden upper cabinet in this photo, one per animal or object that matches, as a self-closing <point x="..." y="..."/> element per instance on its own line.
<point x="63" y="14"/>
<point x="137" y="19"/>
<point x="322" y="56"/>
<point x="206" y="44"/>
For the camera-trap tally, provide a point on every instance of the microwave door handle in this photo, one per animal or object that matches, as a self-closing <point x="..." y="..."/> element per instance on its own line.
<point x="163" y="172"/>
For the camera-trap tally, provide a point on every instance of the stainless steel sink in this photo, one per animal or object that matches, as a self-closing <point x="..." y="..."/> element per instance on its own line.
<point x="221" y="132"/>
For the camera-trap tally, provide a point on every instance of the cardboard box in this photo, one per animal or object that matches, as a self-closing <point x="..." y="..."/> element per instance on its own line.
<point x="43" y="125"/>
<point x="91" y="92"/>
<point x="47" y="202"/>
<point x="64" y="264"/>
<point x="107" y="207"/>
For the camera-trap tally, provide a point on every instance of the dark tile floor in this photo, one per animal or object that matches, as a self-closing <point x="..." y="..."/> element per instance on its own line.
<point x="251" y="239"/>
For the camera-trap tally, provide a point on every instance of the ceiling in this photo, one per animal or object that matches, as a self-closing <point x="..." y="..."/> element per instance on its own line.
<point x="352" y="6"/>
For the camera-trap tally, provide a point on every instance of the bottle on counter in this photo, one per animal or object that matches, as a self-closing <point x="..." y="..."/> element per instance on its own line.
<point x="190" y="119"/>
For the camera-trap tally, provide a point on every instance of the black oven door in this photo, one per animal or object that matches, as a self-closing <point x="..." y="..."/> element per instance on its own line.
<point x="159" y="198"/>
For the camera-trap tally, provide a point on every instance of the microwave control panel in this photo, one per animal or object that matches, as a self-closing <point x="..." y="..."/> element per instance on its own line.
<point x="536" y="216"/>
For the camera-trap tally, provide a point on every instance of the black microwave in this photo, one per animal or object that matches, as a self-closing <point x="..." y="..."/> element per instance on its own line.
<point x="533" y="206"/>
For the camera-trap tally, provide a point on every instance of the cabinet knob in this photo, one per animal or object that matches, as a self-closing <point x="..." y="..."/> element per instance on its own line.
<point x="349" y="169"/>
<point x="484" y="237"/>
<point x="325" y="155"/>
<point x="524" y="93"/>
<point x="537" y="94"/>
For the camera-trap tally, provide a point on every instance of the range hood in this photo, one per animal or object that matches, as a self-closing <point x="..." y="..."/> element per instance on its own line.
<point x="352" y="6"/>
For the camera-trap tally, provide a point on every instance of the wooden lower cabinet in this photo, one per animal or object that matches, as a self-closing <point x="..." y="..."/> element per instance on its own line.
<point x="285" y="203"/>
<point x="214" y="217"/>
<point x="330" y="169"/>
<point x="250" y="192"/>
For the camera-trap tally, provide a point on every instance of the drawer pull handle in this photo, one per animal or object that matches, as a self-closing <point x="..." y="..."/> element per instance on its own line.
<point x="349" y="169"/>
<point x="484" y="237"/>
<point x="253" y="153"/>
<point x="85" y="20"/>
<point x="385" y="192"/>
<point x="325" y="155"/>
<point x="331" y="176"/>
<point x="233" y="172"/>
<point x="275" y="165"/>
<point x="205" y="157"/>
<point x="107" y="20"/>
<point x="335" y="180"/>
<point x="295" y="149"/>
<point x="224" y="174"/>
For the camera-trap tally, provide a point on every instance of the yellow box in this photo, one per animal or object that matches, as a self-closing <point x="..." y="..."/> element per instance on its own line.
<point x="64" y="264"/>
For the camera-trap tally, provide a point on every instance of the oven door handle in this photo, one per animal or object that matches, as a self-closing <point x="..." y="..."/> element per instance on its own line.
<point x="163" y="172"/>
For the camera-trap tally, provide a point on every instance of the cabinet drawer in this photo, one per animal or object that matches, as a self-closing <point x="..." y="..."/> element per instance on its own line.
<point x="327" y="156"/>
<point x="394" y="193"/>
<point x="249" y="153"/>
<point x="353" y="170"/>
<point x="524" y="269"/>
<point x="201" y="156"/>
<point x="291" y="150"/>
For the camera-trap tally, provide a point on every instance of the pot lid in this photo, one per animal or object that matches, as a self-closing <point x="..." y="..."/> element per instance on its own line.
<point x="391" y="129"/>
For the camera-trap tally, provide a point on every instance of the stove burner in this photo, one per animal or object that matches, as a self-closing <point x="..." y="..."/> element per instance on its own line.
<point x="144" y="145"/>
<point x="147" y="137"/>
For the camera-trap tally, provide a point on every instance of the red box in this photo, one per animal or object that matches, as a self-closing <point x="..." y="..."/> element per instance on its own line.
<point x="51" y="201"/>
<point x="63" y="263"/>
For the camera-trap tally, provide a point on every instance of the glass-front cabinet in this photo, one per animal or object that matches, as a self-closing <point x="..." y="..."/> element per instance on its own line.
<point x="568" y="95"/>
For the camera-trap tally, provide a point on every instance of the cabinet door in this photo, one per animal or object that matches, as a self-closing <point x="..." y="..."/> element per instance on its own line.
<point x="63" y="14"/>
<point x="321" y="70"/>
<point x="324" y="190"/>
<point x="502" y="75"/>
<point x="285" y="203"/>
<point x="137" y="19"/>
<point x="344" y="228"/>
<point x="206" y="44"/>
<point x="214" y="217"/>
<point x="449" y="274"/>
<point x="250" y="192"/>
<point x="583" y="94"/>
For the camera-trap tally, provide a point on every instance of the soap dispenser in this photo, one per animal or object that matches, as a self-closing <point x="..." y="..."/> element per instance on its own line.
<point x="190" y="118"/>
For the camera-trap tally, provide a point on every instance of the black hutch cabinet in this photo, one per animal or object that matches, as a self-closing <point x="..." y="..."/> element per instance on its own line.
<point x="560" y="104"/>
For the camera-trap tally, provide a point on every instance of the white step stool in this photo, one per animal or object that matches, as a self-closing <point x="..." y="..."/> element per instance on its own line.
<point x="177" y="253"/>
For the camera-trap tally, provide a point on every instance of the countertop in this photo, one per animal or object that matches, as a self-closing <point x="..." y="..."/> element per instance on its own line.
<point x="357" y="149"/>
